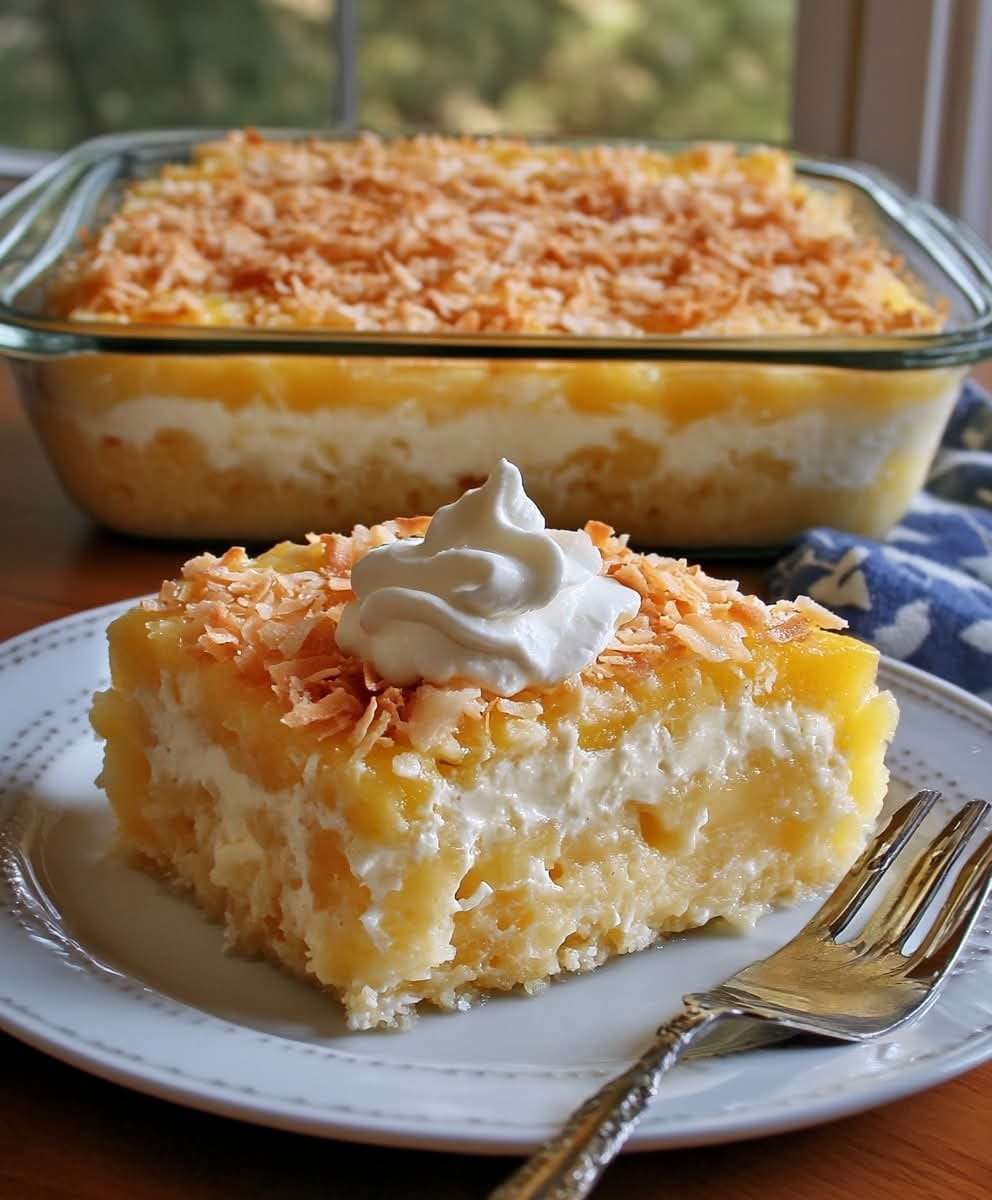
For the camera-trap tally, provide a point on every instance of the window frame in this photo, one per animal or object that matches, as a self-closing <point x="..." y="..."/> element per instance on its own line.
<point x="914" y="94"/>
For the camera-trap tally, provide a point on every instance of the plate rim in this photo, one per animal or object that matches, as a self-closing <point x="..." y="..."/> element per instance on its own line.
<point x="390" y="1129"/>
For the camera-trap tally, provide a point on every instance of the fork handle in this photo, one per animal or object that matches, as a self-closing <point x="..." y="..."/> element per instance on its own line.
<point x="568" y="1165"/>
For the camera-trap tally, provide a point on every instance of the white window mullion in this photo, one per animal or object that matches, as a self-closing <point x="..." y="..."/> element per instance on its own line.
<point x="900" y="89"/>
<point x="934" y="99"/>
<point x="824" y="75"/>
<point x="344" y="33"/>
<point x="965" y="184"/>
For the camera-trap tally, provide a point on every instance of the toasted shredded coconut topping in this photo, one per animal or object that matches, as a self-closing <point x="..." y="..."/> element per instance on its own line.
<point x="435" y="234"/>
<point x="278" y="628"/>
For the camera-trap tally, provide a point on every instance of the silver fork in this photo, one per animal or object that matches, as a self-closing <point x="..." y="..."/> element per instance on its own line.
<point x="849" y="991"/>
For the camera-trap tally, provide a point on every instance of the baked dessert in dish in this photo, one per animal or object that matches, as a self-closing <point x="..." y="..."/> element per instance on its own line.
<point x="435" y="758"/>
<point x="428" y="234"/>
<point x="441" y="236"/>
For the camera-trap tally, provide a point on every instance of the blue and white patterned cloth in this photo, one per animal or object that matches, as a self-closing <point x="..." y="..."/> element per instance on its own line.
<point x="924" y="594"/>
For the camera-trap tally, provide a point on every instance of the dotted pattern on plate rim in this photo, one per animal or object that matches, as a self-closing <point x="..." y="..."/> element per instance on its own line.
<point x="44" y="738"/>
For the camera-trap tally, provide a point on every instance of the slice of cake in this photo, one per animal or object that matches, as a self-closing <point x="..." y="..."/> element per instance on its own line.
<point x="439" y="757"/>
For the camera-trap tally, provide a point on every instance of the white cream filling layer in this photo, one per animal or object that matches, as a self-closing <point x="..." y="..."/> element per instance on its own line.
<point x="536" y="428"/>
<point x="558" y="781"/>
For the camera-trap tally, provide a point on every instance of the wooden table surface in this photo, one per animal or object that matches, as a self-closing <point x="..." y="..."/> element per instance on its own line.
<point x="67" y="1136"/>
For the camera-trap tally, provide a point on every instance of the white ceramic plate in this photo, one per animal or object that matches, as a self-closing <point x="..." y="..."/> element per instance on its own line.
<point x="107" y="969"/>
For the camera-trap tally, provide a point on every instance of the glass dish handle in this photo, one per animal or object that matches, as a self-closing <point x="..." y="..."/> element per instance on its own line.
<point x="83" y="196"/>
<point x="961" y="234"/>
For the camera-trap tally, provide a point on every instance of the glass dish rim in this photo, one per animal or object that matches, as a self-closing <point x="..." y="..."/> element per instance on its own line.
<point x="948" y="244"/>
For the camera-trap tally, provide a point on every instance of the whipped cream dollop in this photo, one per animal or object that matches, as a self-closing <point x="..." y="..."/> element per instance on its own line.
<point x="489" y="596"/>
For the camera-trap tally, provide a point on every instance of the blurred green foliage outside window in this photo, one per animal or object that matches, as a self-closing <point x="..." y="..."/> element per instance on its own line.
<point x="71" y="69"/>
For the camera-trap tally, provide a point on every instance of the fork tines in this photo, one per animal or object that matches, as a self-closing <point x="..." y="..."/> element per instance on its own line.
<point x="898" y="915"/>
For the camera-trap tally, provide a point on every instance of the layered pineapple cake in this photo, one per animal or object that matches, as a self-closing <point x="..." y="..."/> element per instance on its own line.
<point x="484" y="239"/>
<point x="443" y="756"/>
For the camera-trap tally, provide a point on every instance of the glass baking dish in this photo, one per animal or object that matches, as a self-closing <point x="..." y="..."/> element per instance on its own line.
<point x="686" y="442"/>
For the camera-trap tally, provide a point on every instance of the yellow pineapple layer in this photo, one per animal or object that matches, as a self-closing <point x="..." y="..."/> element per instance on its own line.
<point x="259" y="447"/>
<point x="484" y="877"/>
